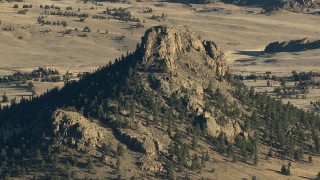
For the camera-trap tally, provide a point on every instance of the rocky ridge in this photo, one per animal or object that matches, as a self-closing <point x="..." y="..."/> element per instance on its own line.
<point x="292" y="46"/>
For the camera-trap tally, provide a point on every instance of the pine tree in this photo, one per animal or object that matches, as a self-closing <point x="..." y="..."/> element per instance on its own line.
<point x="270" y="153"/>
<point x="107" y="149"/>
<point x="203" y="161"/>
<point x="5" y="98"/>
<point x="38" y="154"/>
<point x="148" y="121"/>
<point x="171" y="175"/>
<point x="255" y="160"/>
<point x="171" y="151"/>
<point x="207" y="156"/>
<point x="234" y="158"/>
<point x="310" y="159"/>
<point x="230" y="152"/>
<point x="222" y="143"/>
<point x="289" y="171"/>
<point x="120" y="150"/>
<point x="195" y="162"/>
<point x="298" y="155"/>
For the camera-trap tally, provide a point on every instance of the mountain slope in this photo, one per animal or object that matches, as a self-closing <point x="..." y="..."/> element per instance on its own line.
<point x="166" y="107"/>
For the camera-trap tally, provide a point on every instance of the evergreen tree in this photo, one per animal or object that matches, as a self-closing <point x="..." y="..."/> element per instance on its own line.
<point x="171" y="175"/>
<point x="195" y="162"/>
<point x="289" y="171"/>
<point x="256" y="159"/>
<point x="268" y="83"/>
<point x="222" y="143"/>
<point x="207" y="156"/>
<point x="270" y="153"/>
<point x="310" y="159"/>
<point x="120" y="150"/>
<point x="203" y="161"/>
<point x="5" y="98"/>
<point x="298" y="155"/>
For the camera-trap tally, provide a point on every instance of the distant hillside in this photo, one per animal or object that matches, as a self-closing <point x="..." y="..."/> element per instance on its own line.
<point x="289" y="5"/>
<point x="268" y="5"/>
<point x="192" y="1"/>
<point x="292" y="46"/>
<point x="160" y="112"/>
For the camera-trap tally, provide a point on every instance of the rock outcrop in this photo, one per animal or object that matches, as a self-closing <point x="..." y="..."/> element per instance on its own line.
<point x="193" y="62"/>
<point x="74" y="130"/>
<point x="163" y="45"/>
<point x="292" y="46"/>
<point x="299" y="5"/>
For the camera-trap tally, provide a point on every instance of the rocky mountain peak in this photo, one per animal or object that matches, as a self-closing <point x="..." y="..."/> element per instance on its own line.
<point x="163" y="45"/>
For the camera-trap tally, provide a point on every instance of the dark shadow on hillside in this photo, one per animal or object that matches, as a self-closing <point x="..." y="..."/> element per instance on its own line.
<point x="250" y="53"/>
<point x="303" y="177"/>
<point x="292" y="46"/>
<point x="274" y="171"/>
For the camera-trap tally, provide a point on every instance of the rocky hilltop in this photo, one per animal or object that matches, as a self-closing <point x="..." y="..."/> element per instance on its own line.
<point x="292" y="46"/>
<point x="167" y="107"/>
<point x="165" y="45"/>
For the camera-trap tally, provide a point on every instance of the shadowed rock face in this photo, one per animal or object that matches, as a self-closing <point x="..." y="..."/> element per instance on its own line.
<point x="163" y="45"/>
<point x="292" y="46"/>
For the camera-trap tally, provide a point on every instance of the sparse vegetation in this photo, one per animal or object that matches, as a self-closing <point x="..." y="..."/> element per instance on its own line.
<point x="129" y="100"/>
<point x="121" y="14"/>
<point x="5" y="98"/>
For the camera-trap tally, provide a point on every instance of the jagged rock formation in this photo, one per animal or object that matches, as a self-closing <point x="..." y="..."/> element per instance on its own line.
<point x="175" y="62"/>
<point x="292" y="46"/>
<point x="164" y="45"/>
<point x="76" y="131"/>
<point x="186" y="55"/>
<point x="299" y="5"/>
